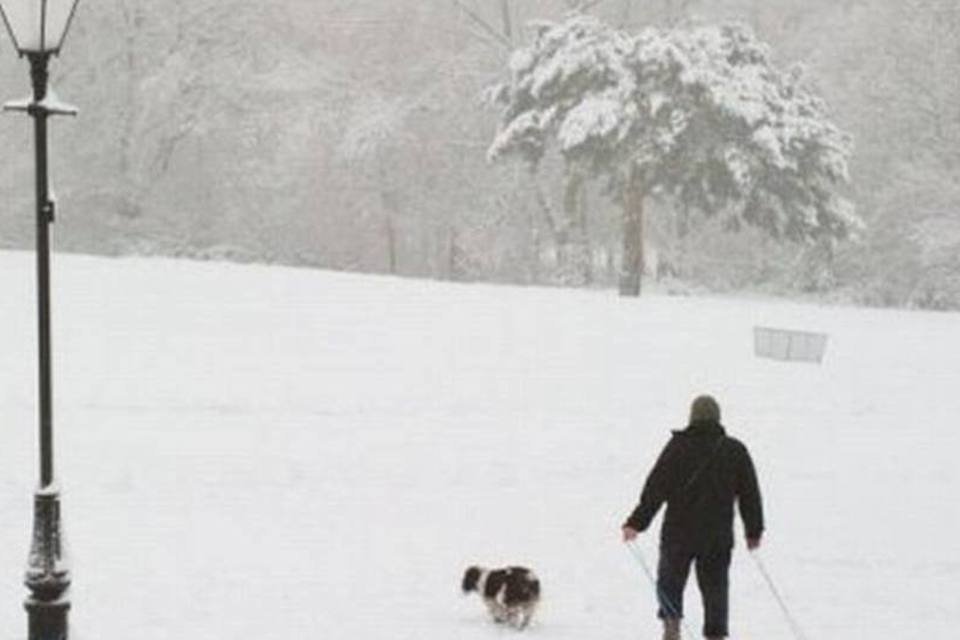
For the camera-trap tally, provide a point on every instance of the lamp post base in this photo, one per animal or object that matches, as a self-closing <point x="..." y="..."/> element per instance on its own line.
<point x="48" y="576"/>
<point x="47" y="620"/>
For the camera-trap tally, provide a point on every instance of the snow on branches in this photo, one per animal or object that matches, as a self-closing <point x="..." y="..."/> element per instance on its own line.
<point x="699" y="113"/>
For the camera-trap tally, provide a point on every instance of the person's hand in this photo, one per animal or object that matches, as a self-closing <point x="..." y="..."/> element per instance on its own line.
<point x="753" y="543"/>
<point x="629" y="533"/>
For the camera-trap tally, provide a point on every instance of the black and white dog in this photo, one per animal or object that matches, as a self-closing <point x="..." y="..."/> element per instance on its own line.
<point x="511" y="593"/>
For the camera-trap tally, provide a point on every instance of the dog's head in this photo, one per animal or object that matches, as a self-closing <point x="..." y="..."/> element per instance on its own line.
<point x="471" y="577"/>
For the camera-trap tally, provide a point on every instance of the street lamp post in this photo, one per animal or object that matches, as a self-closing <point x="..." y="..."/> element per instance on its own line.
<point x="37" y="28"/>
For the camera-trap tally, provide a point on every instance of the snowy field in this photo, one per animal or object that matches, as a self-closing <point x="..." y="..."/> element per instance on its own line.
<point x="253" y="452"/>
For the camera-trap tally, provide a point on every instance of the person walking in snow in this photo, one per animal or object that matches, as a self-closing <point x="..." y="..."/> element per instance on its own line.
<point x="700" y="473"/>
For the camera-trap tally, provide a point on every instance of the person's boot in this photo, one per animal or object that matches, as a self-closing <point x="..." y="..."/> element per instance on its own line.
<point x="671" y="629"/>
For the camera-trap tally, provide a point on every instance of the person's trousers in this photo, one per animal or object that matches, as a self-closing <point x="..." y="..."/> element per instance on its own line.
<point x="712" y="568"/>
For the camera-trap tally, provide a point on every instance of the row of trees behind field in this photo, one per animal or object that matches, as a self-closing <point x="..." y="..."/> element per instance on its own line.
<point x="355" y="135"/>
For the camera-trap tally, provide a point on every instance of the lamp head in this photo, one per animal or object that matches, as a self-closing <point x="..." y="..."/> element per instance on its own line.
<point x="37" y="26"/>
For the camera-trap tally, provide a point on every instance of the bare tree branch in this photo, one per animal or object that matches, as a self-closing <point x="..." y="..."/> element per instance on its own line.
<point x="483" y="24"/>
<point x="485" y="39"/>
<point x="582" y="5"/>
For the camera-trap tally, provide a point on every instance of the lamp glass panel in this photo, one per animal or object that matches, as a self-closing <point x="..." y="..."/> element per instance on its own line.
<point x="37" y="25"/>
<point x="58" y="17"/>
<point x="23" y="21"/>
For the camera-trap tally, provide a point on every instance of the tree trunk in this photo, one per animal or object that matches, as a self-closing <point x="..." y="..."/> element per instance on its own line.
<point x="388" y="202"/>
<point x="573" y="243"/>
<point x="625" y="14"/>
<point x="554" y="227"/>
<point x="391" y="236"/>
<point x="454" y="256"/>
<point x="130" y="204"/>
<point x="631" y="267"/>
<point x="584" y="234"/>
<point x="533" y="270"/>
<point x="507" y="20"/>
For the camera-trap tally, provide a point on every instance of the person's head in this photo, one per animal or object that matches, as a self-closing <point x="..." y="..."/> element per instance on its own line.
<point x="704" y="409"/>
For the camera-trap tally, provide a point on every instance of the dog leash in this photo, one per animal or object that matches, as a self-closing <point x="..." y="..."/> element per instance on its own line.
<point x="661" y="597"/>
<point x="791" y="621"/>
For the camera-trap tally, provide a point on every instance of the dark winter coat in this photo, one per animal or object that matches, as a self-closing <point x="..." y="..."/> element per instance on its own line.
<point x="699" y="474"/>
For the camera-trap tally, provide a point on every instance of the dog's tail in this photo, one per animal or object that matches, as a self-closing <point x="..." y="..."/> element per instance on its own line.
<point x="533" y="588"/>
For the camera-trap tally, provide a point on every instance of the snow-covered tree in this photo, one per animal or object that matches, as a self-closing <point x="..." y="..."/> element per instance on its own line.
<point x="696" y="115"/>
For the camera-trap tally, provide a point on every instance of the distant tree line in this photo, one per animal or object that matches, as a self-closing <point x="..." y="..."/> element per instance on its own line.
<point x="354" y="135"/>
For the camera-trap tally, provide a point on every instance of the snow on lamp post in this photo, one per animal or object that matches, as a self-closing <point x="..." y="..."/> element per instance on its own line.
<point x="37" y="28"/>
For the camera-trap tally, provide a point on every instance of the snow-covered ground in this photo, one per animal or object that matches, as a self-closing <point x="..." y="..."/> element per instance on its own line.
<point x="252" y="452"/>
